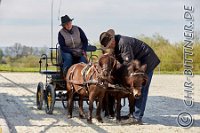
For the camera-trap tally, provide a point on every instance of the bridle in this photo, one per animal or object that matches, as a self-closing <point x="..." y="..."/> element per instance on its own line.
<point x="109" y="68"/>
<point x="136" y="74"/>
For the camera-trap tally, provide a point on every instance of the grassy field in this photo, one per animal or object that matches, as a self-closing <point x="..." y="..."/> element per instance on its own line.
<point x="7" y="68"/>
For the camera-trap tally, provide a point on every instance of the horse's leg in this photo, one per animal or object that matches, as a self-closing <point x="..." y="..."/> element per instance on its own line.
<point x="111" y="105"/>
<point x="105" y="104"/>
<point x="99" y="107"/>
<point x="118" y="109"/>
<point x="70" y="103"/>
<point x="80" y="102"/>
<point x="131" y="105"/>
<point x="91" y="100"/>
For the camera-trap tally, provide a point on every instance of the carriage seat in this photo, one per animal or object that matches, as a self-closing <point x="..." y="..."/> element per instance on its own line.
<point x="90" y="48"/>
<point x="59" y="57"/>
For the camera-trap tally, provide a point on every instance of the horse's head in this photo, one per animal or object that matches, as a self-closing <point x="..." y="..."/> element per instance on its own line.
<point x="136" y="77"/>
<point x="107" y="65"/>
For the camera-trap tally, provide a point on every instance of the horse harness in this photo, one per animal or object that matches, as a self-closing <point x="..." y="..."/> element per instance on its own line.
<point x="135" y="74"/>
<point x="85" y="71"/>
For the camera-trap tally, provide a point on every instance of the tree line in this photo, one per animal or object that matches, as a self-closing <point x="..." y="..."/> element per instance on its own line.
<point x="170" y="54"/>
<point x="20" y="55"/>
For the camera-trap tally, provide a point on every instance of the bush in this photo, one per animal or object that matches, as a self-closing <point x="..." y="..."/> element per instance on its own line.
<point x="27" y="62"/>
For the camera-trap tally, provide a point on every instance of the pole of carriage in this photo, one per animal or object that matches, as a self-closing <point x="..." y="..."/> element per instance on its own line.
<point x="52" y="30"/>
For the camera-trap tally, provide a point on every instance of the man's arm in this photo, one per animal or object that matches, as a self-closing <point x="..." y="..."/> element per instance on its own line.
<point x="127" y="53"/>
<point x="84" y="39"/>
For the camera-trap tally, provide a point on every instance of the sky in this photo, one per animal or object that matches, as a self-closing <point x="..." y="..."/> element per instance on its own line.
<point x="29" y="21"/>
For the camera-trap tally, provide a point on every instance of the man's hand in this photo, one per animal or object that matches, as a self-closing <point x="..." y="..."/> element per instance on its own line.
<point x="84" y="53"/>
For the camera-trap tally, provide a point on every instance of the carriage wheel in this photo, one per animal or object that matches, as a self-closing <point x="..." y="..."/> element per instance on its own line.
<point x="49" y="99"/>
<point x="40" y="95"/>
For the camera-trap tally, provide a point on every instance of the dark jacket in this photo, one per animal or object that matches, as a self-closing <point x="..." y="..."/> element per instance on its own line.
<point x="129" y="48"/>
<point x="65" y="47"/>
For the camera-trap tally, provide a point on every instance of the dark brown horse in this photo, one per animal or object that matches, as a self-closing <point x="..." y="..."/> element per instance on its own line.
<point x="90" y="84"/>
<point x="132" y="77"/>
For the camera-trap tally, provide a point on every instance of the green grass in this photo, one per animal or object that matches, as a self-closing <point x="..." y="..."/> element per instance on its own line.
<point x="175" y="72"/>
<point x="8" y="68"/>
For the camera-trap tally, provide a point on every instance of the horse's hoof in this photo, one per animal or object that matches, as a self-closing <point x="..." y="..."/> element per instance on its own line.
<point x="99" y="119"/>
<point x="112" y="115"/>
<point x="130" y="115"/>
<point x="125" y="117"/>
<point x="69" y="116"/>
<point x="89" y="121"/>
<point x="82" y="116"/>
<point x="118" y="122"/>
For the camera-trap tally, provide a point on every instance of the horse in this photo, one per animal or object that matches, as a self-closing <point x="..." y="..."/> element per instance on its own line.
<point x="132" y="77"/>
<point x="88" y="83"/>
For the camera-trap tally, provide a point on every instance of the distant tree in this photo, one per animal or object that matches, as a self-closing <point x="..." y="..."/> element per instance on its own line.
<point x="27" y="51"/>
<point x="1" y="54"/>
<point x="15" y="50"/>
<point x="43" y="50"/>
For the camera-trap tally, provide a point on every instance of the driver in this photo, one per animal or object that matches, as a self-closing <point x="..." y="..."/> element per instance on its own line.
<point x="73" y="43"/>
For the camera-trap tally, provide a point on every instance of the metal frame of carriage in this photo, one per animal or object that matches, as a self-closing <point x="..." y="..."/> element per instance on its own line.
<point x="54" y="88"/>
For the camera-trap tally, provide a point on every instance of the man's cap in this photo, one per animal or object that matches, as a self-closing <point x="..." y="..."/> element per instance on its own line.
<point x="106" y="38"/>
<point x="65" y="19"/>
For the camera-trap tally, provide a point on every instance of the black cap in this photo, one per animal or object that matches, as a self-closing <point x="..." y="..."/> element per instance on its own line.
<point x="65" y="19"/>
<point x="106" y="38"/>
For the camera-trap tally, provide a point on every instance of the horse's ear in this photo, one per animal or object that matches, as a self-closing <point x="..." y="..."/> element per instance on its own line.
<point x="100" y="62"/>
<point x="144" y="67"/>
<point x="131" y="67"/>
<point x="134" y="65"/>
<point x="137" y="64"/>
<point x="117" y="64"/>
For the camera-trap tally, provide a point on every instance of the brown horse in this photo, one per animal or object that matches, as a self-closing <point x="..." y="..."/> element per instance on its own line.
<point x="132" y="77"/>
<point x="90" y="84"/>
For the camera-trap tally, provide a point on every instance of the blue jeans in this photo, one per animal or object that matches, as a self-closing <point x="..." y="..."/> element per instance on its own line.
<point x="68" y="60"/>
<point x="140" y="104"/>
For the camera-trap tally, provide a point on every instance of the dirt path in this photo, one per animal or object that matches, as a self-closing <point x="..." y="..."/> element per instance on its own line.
<point x="165" y="102"/>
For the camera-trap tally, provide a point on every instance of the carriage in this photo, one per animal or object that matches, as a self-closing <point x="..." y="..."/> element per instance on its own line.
<point x="54" y="88"/>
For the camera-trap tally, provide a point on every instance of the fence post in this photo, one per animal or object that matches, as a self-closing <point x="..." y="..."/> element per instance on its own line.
<point x="159" y="69"/>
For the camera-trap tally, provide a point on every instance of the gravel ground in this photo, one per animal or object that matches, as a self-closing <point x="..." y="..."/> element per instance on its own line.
<point x="18" y="110"/>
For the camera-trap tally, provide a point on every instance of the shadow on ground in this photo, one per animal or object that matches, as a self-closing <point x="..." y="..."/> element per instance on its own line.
<point x="160" y="110"/>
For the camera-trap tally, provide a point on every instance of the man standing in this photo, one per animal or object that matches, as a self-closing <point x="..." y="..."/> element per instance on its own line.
<point x="126" y="49"/>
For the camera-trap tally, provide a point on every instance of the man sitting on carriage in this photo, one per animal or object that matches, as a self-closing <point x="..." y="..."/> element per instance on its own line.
<point x="73" y="43"/>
